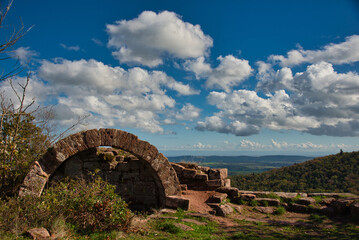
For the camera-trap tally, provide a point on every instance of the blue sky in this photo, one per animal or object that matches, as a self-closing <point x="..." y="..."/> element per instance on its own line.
<point x="199" y="77"/>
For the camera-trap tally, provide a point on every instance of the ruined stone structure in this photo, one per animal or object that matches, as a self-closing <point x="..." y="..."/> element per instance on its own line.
<point x="194" y="177"/>
<point x="145" y="178"/>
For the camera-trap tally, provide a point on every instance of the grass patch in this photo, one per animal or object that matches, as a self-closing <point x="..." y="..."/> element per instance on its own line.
<point x="167" y="226"/>
<point x="280" y="211"/>
<point x="317" y="219"/>
<point x="269" y="195"/>
<point x="318" y="199"/>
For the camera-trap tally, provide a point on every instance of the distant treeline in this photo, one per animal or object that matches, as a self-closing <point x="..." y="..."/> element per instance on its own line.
<point x="333" y="173"/>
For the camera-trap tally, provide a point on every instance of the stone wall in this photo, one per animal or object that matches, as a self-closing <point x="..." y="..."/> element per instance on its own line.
<point x="136" y="182"/>
<point x="195" y="177"/>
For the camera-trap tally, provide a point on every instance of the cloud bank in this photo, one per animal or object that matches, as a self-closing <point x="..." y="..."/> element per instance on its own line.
<point x="112" y="95"/>
<point x="319" y="100"/>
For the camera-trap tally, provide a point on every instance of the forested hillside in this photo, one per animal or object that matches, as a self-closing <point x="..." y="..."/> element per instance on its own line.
<point x="333" y="173"/>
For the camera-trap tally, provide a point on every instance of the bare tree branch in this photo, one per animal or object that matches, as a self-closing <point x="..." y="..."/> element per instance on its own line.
<point x="9" y="42"/>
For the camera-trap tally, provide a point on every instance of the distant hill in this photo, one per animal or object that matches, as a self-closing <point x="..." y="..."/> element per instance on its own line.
<point x="333" y="173"/>
<point x="243" y="164"/>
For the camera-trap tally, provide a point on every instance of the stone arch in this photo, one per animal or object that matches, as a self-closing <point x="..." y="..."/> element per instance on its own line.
<point x="42" y="170"/>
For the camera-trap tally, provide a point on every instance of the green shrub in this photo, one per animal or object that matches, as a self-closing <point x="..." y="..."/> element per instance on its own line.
<point x="86" y="207"/>
<point x="253" y="203"/>
<point x="21" y="143"/>
<point x="315" y="218"/>
<point x="280" y="211"/>
<point x="240" y="201"/>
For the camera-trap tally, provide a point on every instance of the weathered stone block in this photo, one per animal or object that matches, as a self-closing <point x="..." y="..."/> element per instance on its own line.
<point x="286" y="195"/>
<point x="107" y="136"/>
<point x="158" y="162"/>
<point x="178" y="168"/>
<point x="327" y="201"/>
<point x="145" y="150"/>
<point x="247" y="196"/>
<point x="236" y="207"/>
<point x="177" y="202"/>
<point x="204" y="169"/>
<point x="189" y="173"/>
<point x="306" y="201"/>
<point x="39" y="233"/>
<point x="342" y="206"/>
<point x="265" y="210"/>
<point x="224" y="210"/>
<point x="295" y="207"/>
<point x="92" y="138"/>
<point x="215" y="183"/>
<point x="48" y="162"/>
<point x="227" y="182"/>
<point x="201" y="177"/>
<point x="217" y="198"/>
<point x="270" y="201"/>
<point x="34" y="181"/>
<point x="217" y="173"/>
<point x="130" y="143"/>
<point x="231" y="191"/>
<point x="120" y="159"/>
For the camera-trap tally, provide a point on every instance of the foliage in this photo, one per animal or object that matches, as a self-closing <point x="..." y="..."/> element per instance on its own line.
<point x="333" y="173"/>
<point x="280" y="210"/>
<point x="86" y="207"/>
<point x="253" y="203"/>
<point x="22" y="141"/>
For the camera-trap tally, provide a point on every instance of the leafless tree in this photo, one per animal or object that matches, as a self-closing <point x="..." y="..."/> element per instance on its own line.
<point x="9" y="42"/>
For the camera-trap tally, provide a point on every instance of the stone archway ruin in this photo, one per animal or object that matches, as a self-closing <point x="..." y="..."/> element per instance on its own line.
<point x="166" y="178"/>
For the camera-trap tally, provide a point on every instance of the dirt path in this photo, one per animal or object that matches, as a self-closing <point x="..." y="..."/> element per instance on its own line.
<point x="197" y="200"/>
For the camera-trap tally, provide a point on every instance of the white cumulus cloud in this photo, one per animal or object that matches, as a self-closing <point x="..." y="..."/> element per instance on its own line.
<point x="230" y="72"/>
<point x="150" y="37"/>
<point x="340" y="53"/>
<point x="188" y="112"/>
<point x="244" y="113"/>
